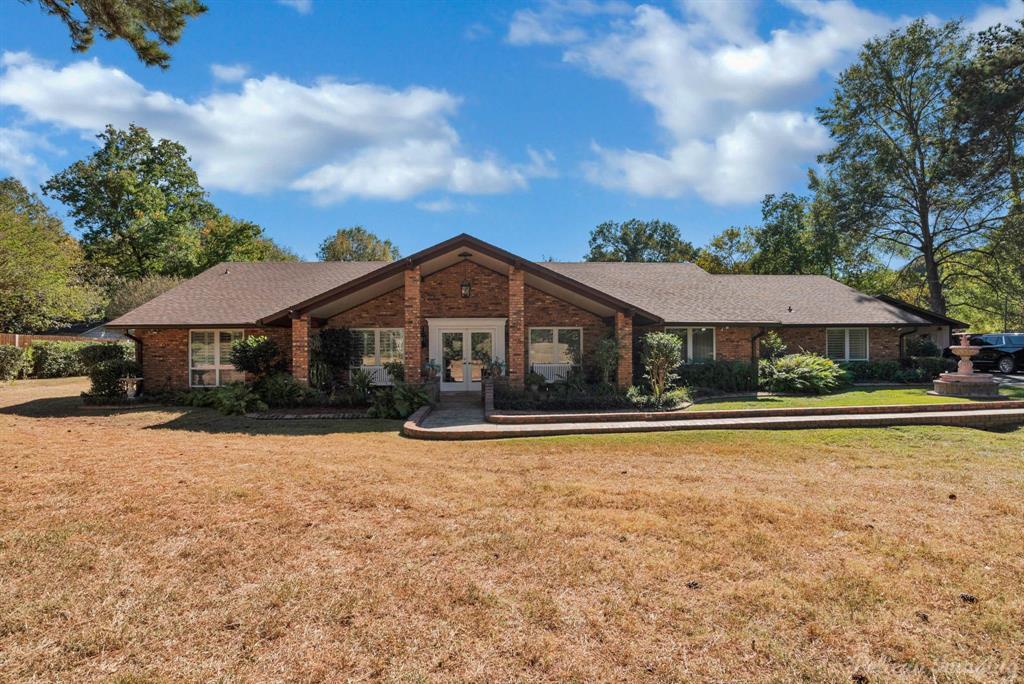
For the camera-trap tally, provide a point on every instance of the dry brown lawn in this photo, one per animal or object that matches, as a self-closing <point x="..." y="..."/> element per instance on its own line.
<point x="157" y="545"/>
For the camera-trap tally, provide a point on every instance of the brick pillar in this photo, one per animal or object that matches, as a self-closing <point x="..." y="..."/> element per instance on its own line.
<point x="515" y="353"/>
<point x="624" y="335"/>
<point x="413" y="356"/>
<point x="300" y="348"/>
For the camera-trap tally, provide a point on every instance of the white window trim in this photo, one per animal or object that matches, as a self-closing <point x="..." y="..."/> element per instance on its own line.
<point x="846" y="344"/>
<point x="554" y="331"/>
<point x="217" y="366"/>
<point x="671" y="329"/>
<point x="376" y="344"/>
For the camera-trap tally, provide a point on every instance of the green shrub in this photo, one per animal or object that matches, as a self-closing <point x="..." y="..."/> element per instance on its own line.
<point x="535" y="379"/>
<point x="361" y="383"/>
<point x="336" y="348"/>
<point x="281" y="390"/>
<point x="922" y="346"/>
<point x="257" y="354"/>
<point x="57" y="359"/>
<point x="872" y="371"/>
<point x="931" y="366"/>
<point x="606" y="359"/>
<point x="14" y="362"/>
<point x="398" y="401"/>
<point x="109" y="377"/>
<point x="395" y="369"/>
<point x="802" y="373"/>
<point x="771" y="346"/>
<point x="92" y="354"/>
<point x="668" y="400"/>
<point x="723" y="376"/>
<point x="558" y="397"/>
<point x="662" y="354"/>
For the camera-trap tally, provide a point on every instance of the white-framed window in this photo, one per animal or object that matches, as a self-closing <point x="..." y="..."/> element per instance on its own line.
<point x="208" y="364"/>
<point x="698" y="343"/>
<point x="377" y="346"/>
<point x="846" y="344"/>
<point x="556" y="346"/>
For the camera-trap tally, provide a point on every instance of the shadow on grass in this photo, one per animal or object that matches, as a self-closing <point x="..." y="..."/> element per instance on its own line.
<point x="66" y="407"/>
<point x="209" y="421"/>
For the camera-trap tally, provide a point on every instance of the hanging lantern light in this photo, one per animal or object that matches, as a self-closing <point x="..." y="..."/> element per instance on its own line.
<point x="466" y="287"/>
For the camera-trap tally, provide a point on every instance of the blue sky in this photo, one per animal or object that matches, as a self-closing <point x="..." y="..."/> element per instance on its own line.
<point x="523" y="124"/>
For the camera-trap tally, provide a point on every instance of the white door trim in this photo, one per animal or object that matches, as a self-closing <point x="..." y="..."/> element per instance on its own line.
<point x="495" y="326"/>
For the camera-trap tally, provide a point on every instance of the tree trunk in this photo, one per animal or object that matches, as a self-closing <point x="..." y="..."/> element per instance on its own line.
<point x="936" y="300"/>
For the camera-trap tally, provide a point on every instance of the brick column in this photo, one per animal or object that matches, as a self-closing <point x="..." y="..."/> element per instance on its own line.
<point x="624" y="336"/>
<point x="413" y="356"/>
<point x="300" y="348"/>
<point x="515" y="353"/>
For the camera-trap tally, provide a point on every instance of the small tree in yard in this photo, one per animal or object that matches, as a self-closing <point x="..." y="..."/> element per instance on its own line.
<point x="606" y="358"/>
<point x="663" y="353"/>
<point x="257" y="355"/>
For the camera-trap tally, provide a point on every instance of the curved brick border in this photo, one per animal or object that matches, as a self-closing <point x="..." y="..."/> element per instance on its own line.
<point x="411" y="426"/>
<point x="546" y="418"/>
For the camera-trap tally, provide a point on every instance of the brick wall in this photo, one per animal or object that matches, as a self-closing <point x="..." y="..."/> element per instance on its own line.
<point x="442" y="293"/>
<point x="165" y="363"/>
<point x="543" y="309"/>
<point x="883" y="343"/>
<point x="385" y="311"/>
<point x="515" y="355"/>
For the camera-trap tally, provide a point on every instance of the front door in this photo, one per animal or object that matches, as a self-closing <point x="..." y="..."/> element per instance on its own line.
<point x="464" y="355"/>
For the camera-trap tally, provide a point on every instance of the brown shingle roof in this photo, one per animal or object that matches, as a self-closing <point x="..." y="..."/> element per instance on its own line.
<point x="684" y="293"/>
<point x="242" y="293"/>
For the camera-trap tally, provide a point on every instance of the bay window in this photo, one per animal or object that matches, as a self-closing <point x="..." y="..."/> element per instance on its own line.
<point x="846" y="344"/>
<point x="698" y="343"/>
<point x="208" y="354"/>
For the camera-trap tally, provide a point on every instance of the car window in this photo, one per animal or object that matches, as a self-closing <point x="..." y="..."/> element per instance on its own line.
<point x="995" y="340"/>
<point x="1014" y="339"/>
<point x="978" y="341"/>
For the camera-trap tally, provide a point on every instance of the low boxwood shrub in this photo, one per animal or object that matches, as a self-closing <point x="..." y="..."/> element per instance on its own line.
<point x="801" y="373"/>
<point x="722" y="376"/>
<point x="931" y="366"/>
<point x="872" y="371"/>
<point x="922" y="346"/>
<point x="109" y="377"/>
<point x="57" y="359"/>
<point x="15" y="362"/>
<point x="281" y="390"/>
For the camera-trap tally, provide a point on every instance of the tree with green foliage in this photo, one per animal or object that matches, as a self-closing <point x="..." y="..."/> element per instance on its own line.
<point x="126" y="295"/>
<point x="41" y="267"/>
<point x="895" y="175"/>
<point x="356" y="244"/>
<point x="728" y="252"/>
<point x="661" y="354"/>
<point x="133" y="21"/>
<point x="636" y="240"/>
<point x="224" y="238"/>
<point x="138" y="204"/>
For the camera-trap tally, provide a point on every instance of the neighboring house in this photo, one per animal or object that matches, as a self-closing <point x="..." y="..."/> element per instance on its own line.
<point x="464" y="301"/>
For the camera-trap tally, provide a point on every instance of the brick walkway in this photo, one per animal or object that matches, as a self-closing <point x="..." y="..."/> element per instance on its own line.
<point x="459" y="423"/>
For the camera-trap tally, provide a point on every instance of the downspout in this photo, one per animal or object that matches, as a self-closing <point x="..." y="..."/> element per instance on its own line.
<point x="902" y="336"/>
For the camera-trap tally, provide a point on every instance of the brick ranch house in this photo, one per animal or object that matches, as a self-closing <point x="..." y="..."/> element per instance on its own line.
<point x="464" y="300"/>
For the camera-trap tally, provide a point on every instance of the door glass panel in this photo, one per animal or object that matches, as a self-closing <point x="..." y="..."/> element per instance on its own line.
<point x="451" y="350"/>
<point x="482" y="345"/>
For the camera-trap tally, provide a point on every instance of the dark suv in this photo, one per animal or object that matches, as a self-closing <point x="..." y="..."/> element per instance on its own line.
<point x="1003" y="352"/>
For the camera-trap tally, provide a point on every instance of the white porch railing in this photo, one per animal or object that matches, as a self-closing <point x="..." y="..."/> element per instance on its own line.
<point x="552" y="372"/>
<point x="378" y="374"/>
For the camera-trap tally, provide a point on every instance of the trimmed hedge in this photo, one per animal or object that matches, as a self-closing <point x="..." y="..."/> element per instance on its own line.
<point x="108" y="377"/>
<point x="917" y="369"/>
<point x="58" y="359"/>
<point x="15" y="362"/>
<point x="723" y="376"/>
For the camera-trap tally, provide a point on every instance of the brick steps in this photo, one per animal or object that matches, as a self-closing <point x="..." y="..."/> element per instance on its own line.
<point x="697" y="414"/>
<point x="470" y="426"/>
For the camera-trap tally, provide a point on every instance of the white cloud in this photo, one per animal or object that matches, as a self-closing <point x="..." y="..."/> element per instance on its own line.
<point x="18" y="157"/>
<point x="722" y="94"/>
<point x="990" y="15"/>
<point x="552" y="24"/>
<point x="300" y="6"/>
<point x="331" y="139"/>
<point x="230" y="73"/>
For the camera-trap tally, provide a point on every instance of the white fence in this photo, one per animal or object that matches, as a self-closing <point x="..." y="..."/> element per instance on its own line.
<point x="378" y="374"/>
<point x="552" y="372"/>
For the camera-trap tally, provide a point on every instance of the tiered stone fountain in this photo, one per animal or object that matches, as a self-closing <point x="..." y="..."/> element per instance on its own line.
<point x="965" y="382"/>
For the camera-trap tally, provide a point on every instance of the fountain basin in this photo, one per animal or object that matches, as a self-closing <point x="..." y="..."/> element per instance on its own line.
<point x="973" y="385"/>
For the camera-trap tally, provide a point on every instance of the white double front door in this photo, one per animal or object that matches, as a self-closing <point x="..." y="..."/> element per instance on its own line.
<point x="463" y="348"/>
